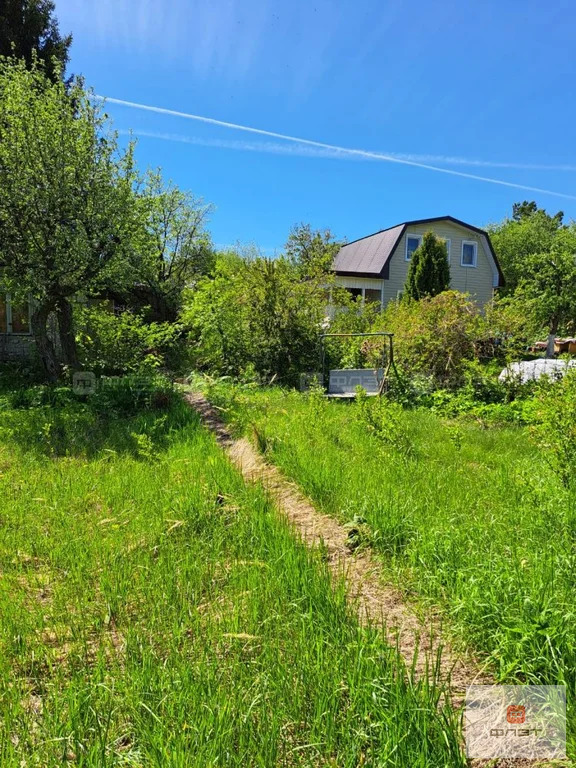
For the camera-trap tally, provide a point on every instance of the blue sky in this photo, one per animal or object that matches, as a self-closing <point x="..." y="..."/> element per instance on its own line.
<point x="478" y="88"/>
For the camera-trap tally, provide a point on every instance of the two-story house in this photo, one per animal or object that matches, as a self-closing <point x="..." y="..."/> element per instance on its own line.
<point x="375" y="267"/>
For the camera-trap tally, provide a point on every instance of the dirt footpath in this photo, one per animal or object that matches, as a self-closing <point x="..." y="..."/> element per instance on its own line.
<point x="420" y="641"/>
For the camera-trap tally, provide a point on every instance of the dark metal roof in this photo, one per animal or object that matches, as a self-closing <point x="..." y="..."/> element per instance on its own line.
<point x="370" y="256"/>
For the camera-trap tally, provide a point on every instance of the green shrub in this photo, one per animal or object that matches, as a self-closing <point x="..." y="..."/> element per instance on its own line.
<point x="124" y="343"/>
<point x="554" y="425"/>
<point x="256" y="316"/>
<point x="12" y="374"/>
<point x="38" y="396"/>
<point x="429" y="269"/>
<point x="414" y="391"/>
<point x="435" y="337"/>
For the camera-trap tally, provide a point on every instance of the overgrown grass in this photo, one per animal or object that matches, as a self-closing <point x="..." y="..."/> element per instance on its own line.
<point x="154" y="611"/>
<point x="469" y="518"/>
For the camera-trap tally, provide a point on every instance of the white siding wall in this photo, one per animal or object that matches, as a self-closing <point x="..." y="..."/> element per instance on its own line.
<point x="359" y="282"/>
<point x="374" y="284"/>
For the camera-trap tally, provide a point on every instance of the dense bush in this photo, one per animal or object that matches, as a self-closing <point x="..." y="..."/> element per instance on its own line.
<point x="256" y="316"/>
<point x="554" y="427"/>
<point x="12" y="374"/>
<point x="435" y="337"/>
<point x="130" y="394"/>
<point x="123" y="343"/>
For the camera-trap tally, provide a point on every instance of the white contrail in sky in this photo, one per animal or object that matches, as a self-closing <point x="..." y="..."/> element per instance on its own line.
<point x="274" y="148"/>
<point x="306" y="151"/>
<point x="381" y="156"/>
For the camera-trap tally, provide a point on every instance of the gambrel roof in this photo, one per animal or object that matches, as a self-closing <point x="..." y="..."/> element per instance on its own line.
<point x="370" y="256"/>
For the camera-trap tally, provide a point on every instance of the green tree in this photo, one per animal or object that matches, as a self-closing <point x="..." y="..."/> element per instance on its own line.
<point x="216" y="312"/>
<point x="526" y="209"/>
<point x="311" y="251"/>
<point x="429" y="271"/>
<point x="66" y="200"/>
<point x="29" y="29"/>
<point x="173" y="247"/>
<point x="531" y="230"/>
<point x="256" y="314"/>
<point x="546" y="289"/>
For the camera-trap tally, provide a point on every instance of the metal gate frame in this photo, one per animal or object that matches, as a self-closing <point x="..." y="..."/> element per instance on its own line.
<point x="388" y="366"/>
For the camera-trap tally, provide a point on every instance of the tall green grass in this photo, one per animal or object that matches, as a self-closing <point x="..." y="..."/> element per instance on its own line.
<point x="467" y="517"/>
<point x="154" y="611"/>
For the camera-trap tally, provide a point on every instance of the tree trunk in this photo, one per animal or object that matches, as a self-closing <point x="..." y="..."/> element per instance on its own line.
<point x="44" y="345"/>
<point x="66" y="333"/>
<point x="552" y="338"/>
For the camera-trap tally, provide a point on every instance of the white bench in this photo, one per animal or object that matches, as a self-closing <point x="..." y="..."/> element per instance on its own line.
<point x="343" y="383"/>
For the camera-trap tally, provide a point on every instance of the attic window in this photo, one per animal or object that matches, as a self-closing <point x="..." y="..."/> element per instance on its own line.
<point x="413" y="242"/>
<point x="469" y="253"/>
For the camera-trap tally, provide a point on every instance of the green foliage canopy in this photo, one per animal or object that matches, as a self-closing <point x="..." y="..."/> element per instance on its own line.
<point x="547" y="287"/>
<point x="172" y="247"/>
<point x="530" y="231"/>
<point x="436" y="336"/>
<point x="311" y="251"/>
<point x="257" y="315"/>
<point x="29" y="31"/>
<point x="66" y="198"/>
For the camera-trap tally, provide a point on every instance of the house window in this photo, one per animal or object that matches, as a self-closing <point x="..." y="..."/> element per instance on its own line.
<point x="448" y="246"/>
<point x="20" y="314"/>
<point x="469" y="253"/>
<point x="412" y="243"/>
<point x="367" y="295"/>
<point x="372" y="296"/>
<point x="14" y="316"/>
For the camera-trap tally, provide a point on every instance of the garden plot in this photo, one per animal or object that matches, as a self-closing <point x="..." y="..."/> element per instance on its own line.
<point x="466" y="519"/>
<point x="156" y="611"/>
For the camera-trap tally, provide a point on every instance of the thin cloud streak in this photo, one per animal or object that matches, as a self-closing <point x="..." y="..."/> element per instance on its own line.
<point x="244" y="146"/>
<point x="323" y="145"/>
<point x="306" y="151"/>
<point x="450" y="160"/>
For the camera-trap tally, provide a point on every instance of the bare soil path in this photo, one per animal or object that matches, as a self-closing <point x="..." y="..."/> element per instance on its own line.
<point x="374" y="601"/>
<point x="421" y="642"/>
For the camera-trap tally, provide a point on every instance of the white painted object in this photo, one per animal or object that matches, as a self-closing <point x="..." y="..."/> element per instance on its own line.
<point x="343" y="382"/>
<point x="532" y="370"/>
